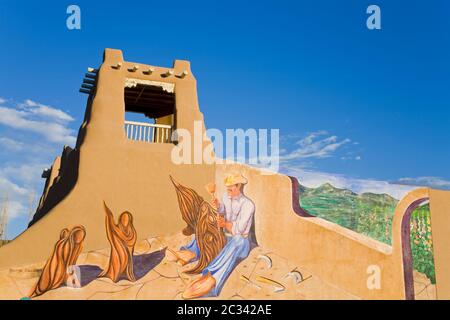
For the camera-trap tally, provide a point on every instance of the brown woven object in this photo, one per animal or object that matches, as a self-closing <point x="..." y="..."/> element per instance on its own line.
<point x="122" y="238"/>
<point x="189" y="202"/>
<point x="201" y="219"/>
<point x="65" y="253"/>
<point x="210" y="238"/>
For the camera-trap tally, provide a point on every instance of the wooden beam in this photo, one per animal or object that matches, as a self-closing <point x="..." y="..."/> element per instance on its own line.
<point x="140" y="93"/>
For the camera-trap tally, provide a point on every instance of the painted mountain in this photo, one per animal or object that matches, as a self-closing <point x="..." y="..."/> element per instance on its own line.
<point x="358" y="212"/>
<point x="371" y="214"/>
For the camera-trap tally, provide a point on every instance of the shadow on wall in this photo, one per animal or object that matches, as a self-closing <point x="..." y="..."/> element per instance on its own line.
<point x="143" y="264"/>
<point x="123" y="264"/>
<point x="55" y="191"/>
<point x="62" y="184"/>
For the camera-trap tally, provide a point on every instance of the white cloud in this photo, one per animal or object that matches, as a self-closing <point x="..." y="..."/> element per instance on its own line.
<point x="27" y="147"/>
<point x="316" y="145"/>
<point x="433" y="182"/>
<point x="11" y="144"/>
<point x="321" y="145"/>
<point x="46" y="111"/>
<point x="27" y="174"/>
<point x="16" y="209"/>
<point x="35" y="131"/>
<point x="314" y="179"/>
<point x="18" y="184"/>
<point x="6" y="186"/>
<point x="19" y="119"/>
<point x="357" y="158"/>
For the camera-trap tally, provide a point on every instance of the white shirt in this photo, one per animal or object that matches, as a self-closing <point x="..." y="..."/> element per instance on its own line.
<point x="238" y="210"/>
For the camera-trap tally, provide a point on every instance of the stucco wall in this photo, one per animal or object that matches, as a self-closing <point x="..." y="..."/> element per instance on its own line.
<point x="128" y="175"/>
<point x="440" y="224"/>
<point x="335" y="254"/>
<point x="134" y="176"/>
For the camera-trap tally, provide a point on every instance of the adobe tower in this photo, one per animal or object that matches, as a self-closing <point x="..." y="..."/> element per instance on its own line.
<point x="125" y="163"/>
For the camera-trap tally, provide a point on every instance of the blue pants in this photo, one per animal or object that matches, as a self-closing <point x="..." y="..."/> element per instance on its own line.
<point x="236" y="249"/>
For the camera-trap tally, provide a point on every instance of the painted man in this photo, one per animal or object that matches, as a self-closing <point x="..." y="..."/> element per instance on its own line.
<point x="236" y="217"/>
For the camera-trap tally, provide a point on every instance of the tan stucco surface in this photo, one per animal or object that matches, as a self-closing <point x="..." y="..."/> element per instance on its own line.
<point x="128" y="175"/>
<point x="167" y="280"/>
<point x="134" y="176"/>
<point x="440" y="223"/>
<point x="336" y="254"/>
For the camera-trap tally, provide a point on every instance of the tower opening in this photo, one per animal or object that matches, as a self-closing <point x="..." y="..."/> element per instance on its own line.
<point x="149" y="111"/>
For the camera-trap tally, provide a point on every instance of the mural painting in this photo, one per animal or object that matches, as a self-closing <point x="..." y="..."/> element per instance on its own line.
<point x="220" y="241"/>
<point x="65" y="254"/>
<point x="371" y="214"/>
<point x="208" y="231"/>
<point x="421" y="240"/>
<point x="216" y="239"/>
<point x="122" y="238"/>
<point x="221" y="234"/>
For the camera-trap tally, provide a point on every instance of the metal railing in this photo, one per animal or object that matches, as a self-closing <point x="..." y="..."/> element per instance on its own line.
<point x="148" y="132"/>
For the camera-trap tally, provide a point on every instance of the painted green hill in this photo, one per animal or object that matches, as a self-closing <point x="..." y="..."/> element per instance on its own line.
<point x="358" y="212"/>
<point x="371" y="214"/>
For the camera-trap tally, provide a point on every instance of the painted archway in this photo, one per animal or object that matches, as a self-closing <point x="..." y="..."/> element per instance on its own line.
<point x="401" y="234"/>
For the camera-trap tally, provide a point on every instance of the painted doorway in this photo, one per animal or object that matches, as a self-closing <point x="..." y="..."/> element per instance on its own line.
<point x="418" y="258"/>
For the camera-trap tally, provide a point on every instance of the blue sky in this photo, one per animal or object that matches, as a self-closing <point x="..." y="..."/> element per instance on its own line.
<point x="353" y="106"/>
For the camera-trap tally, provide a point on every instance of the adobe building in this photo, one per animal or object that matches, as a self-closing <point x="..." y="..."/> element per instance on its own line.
<point x="127" y="172"/>
<point x="127" y="164"/>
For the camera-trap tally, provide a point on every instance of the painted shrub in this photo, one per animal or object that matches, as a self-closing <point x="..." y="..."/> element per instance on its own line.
<point x="371" y="214"/>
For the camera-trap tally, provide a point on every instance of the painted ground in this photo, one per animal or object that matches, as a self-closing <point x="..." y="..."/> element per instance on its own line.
<point x="160" y="278"/>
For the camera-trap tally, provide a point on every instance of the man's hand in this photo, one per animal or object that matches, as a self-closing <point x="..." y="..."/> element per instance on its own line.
<point x="216" y="203"/>
<point x="222" y="223"/>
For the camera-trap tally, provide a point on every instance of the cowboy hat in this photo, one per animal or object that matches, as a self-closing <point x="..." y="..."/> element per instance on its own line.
<point x="235" y="179"/>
